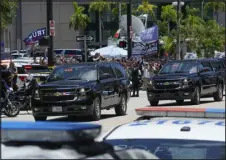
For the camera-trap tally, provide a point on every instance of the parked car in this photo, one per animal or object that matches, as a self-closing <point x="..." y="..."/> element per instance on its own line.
<point x="186" y="79"/>
<point x="82" y="89"/>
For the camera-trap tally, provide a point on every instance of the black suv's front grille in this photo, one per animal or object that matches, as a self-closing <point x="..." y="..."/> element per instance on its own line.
<point x="166" y="84"/>
<point x="57" y="99"/>
<point x="56" y="95"/>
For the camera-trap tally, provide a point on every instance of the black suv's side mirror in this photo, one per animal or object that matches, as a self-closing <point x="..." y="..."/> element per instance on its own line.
<point x="105" y="76"/>
<point x="205" y="69"/>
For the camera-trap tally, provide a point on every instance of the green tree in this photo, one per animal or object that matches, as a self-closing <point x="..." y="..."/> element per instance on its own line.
<point x="212" y="37"/>
<point x="7" y="12"/>
<point x="99" y="6"/>
<point x="191" y="25"/>
<point x="216" y="6"/>
<point x="168" y="45"/>
<point x="147" y="8"/>
<point x="169" y="14"/>
<point x="163" y="29"/>
<point x="78" y="19"/>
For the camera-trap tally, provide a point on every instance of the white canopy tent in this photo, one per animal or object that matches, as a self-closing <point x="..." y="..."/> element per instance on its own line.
<point x="111" y="51"/>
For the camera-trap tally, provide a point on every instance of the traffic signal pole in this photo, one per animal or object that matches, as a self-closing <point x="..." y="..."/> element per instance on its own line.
<point x="129" y="26"/>
<point x="49" y="11"/>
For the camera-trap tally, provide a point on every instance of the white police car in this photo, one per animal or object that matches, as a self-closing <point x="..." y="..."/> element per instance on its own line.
<point x="173" y="133"/>
<point x="59" y="140"/>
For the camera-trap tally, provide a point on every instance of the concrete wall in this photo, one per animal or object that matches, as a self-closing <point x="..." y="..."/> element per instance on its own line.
<point x="34" y="17"/>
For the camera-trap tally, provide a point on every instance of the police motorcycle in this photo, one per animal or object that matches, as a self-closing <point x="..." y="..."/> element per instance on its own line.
<point x="59" y="140"/>
<point x="24" y="94"/>
<point x="9" y="104"/>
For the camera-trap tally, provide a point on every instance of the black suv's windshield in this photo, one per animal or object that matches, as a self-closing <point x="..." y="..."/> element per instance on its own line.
<point x="79" y="72"/>
<point x="174" y="148"/>
<point x="179" y="67"/>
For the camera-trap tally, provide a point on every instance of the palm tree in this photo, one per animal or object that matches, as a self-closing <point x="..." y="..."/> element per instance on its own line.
<point x="168" y="45"/>
<point x="78" y="19"/>
<point x="147" y="8"/>
<point x="169" y="14"/>
<point x="217" y="6"/>
<point x="99" y="6"/>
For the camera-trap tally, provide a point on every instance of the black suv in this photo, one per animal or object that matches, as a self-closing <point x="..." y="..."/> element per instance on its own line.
<point x="82" y="89"/>
<point x="186" y="79"/>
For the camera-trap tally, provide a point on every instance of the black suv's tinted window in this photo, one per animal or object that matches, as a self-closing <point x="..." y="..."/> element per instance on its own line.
<point x="218" y="65"/>
<point x="207" y="65"/>
<point x="179" y="67"/>
<point x="119" y="70"/>
<point x="106" y="69"/>
<point x="76" y="72"/>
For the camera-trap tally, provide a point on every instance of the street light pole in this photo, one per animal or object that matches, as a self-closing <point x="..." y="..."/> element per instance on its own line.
<point x="49" y="7"/>
<point x="202" y="7"/>
<point x="178" y="30"/>
<point x="129" y="26"/>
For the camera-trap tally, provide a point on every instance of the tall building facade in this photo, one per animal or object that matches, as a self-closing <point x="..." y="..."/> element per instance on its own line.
<point x="31" y="15"/>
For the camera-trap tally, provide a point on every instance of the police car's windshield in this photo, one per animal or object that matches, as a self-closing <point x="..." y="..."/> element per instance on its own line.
<point x="174" y="148"/>
<point x="179" y="67"/>
<point x="79" y="72"/>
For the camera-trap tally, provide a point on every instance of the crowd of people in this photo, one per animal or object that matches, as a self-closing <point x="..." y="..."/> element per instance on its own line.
<point x="139" y="70"/>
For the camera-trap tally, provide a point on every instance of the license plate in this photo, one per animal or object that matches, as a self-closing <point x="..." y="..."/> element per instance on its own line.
<point x="57" y="109"/>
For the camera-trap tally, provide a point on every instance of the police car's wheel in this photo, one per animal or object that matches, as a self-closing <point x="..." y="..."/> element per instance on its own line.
<point x="196" y="98"/>
<point x="96" y="110"/>
<point x="121" y="109"/>
<point x="40" y="118"/>
<point x="154" y="103"/>
<point x="180" y="101"/>
<point x="218" y="96"/>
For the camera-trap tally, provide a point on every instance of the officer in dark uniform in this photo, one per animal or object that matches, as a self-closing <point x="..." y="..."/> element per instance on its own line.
<point x="135" y="80"/>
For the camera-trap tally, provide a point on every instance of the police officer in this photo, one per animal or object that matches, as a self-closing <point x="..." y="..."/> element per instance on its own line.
<point x="135" y="80"/>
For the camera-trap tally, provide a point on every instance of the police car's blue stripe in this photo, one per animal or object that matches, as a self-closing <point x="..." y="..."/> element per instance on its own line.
<point x="65" y="126"/>
<point x="213" y="110"/>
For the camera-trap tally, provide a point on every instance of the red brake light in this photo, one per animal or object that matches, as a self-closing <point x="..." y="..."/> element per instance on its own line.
<point x="27" y="67"/>
<point x="22" y="78"/>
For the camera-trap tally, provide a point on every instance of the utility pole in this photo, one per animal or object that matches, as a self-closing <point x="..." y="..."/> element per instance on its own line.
<point x="49" y="11"/>
<point x="129" y="30"/>
<point x="119" y="12"/>
<point x="178" y="30"/>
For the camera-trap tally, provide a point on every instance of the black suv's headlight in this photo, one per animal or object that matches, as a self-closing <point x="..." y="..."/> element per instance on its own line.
<point x="83" y="93"/>
<point x="186" y="82"/>
<point x="36" y="95"/>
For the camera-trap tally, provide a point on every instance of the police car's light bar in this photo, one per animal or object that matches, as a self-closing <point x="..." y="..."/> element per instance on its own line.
<point x="181" y="112"/>
<point x="48" y="131"/>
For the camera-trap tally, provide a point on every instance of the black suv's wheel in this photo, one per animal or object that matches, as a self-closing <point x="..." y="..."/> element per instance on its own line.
<point x="40" y="118"/>
<point x="96" y="110"/>
<point x="218" y="96"/>
<point x="180" y="102"/>
<point x="121" y="109"/>
<point x="154" y="103"/>
<point x="196" y="97"/>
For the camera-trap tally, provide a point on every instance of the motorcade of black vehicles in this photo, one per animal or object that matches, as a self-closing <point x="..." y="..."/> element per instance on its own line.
<point x="82" y="89"/>
<point x="186" y="79"/>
